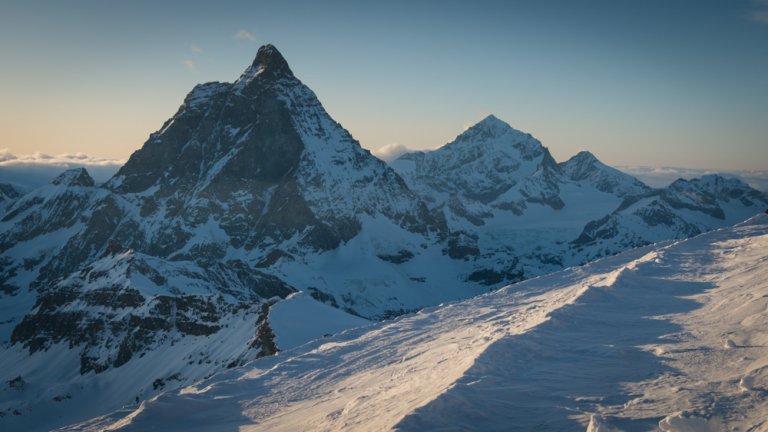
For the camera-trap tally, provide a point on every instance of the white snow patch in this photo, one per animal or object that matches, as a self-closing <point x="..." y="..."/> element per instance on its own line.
<point x="560" y="352"/>
<point x="682" y="422"/>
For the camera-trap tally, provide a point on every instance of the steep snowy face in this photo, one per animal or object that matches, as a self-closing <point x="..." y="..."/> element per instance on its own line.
<point x="247" y="194"/>
<point x="585" y="168"/>
<point x="264" y="161"/>
<point x="490" y="163"/>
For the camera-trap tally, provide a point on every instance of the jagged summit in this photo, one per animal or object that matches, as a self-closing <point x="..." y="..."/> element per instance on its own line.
<point x="219" y="136"/>
<point x="491" y="126"/>
<point x="490" y="165"/>
<point x="584" y="156"/>
<point x="491" y="122"/>
<point x="262" y="161"/>
<point x="581" y="165"/>
<point x="586" y="168"/>
<point x="270" y="59"/>
<point x="74" y="177"/>
<point x="269" y="64"/>
<point x="713" y="187"/>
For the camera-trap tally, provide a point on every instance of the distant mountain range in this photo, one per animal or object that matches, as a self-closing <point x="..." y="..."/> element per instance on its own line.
<point x="253" y="222"/>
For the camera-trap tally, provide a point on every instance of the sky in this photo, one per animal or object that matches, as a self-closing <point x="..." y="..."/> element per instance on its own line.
<point x="641" y="83"/>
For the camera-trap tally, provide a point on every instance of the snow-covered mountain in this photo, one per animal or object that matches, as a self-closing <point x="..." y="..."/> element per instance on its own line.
<point x="490" y="163"/>
<point x="249" y="194"/>
<point x="684" y="209"/>
<point x="586" y="169"/>
<point x="253" y="222"/>
<point x="669" y="337"/>
<point x="503" y="195"/>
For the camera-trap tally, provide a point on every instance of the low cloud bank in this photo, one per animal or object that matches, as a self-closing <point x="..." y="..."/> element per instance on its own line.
<point x="26" y="172"/>
<point x="663" y="176"/>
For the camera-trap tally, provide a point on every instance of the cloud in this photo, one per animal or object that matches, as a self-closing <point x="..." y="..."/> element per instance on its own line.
<point x="759" y="16"/>
<point x="27" y="172"/>
<point x="7" y="158"/>
<point x="6" y="155"/>
<point x="390" y="152"/>
<point x="244" y="34"/>
<point x="189" y="64"/>
<point x="195" y="48"/>
<point x="662" y="176"/>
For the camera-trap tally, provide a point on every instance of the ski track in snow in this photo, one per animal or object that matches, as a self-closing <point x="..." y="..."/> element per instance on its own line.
<point x="666" y="337"/>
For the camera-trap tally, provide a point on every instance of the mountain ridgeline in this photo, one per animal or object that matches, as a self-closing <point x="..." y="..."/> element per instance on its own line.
<point x="251" y="200"/>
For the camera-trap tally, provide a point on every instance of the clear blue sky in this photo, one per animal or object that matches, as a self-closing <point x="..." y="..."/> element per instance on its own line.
<point x="643" y="82"/>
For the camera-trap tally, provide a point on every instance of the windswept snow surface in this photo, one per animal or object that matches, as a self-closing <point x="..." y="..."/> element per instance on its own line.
<point x="669" y="337"/>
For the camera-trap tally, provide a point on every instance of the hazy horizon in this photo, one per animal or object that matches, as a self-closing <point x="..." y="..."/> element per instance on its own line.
<point x="646" y="84"/>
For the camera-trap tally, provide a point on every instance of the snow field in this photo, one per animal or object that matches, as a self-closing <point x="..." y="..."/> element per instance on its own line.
<point x="633" y="342"/>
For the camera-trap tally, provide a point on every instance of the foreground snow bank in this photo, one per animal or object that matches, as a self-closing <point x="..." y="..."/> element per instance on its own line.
<point x="626" y="343"/>
<point x="682" y="422"/>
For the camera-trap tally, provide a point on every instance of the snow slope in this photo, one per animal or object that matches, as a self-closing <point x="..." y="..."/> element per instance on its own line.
<point x="667" y="337"/>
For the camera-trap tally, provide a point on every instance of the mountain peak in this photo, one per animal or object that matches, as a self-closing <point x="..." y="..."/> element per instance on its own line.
<point x="269" y="63"/>
<point x="499" y="134"/>
<point x="584" y="156"/>
<point x="491" y="122"/>
<point x="586" y="167"/>
<point x="74" y="177"/>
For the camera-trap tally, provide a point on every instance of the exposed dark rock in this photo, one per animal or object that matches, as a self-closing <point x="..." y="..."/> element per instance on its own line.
<point x="91" y="364"/>
<point x="16" y="383"/>
<point x="394" y="313"/>
<point x="490" y="276"/>
<point x="74" y="177"/>
<point x="115" y="298"/>
<point x="272" y="257"/>
<point x="462" y="245"/>
<point x="265" y="337"/>
<point x="113" y="248"/>
<point x="400" y="257"/>
<point x="61" y="398"/>
<point x="272" y="63"/>
<point x="603" y="228"/>
<point x="160" y="383"/>
<point x="322" y="297"/>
